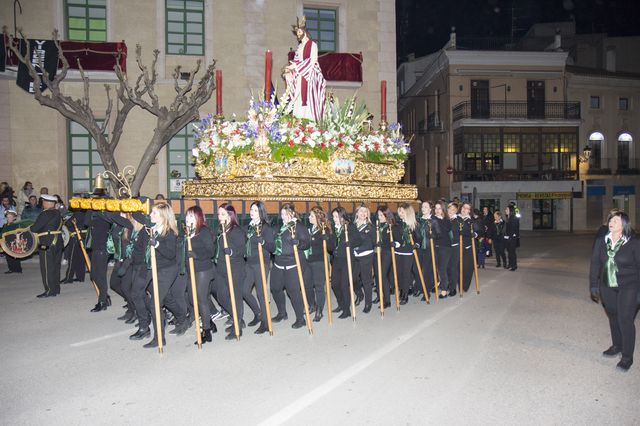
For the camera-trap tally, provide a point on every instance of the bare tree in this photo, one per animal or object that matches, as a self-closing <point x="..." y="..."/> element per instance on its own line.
<point x="170" y="120"/>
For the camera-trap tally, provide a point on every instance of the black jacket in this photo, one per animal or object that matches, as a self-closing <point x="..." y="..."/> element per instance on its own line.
<point x="315" y="253"/>
<point x="627" y="260"/>
<point x="340" y="252"/>
<point x="428" y="229"/>
<point x="443" y="234"/>
<point x="202" y="249"/>
<point x="48" y="220"/>
<point x="367" y="238"/>
<point x="251" y="250"/>
<point x="512" y="228"/>
<point x="166" y="250"/>
<point x="286" y="256"/>
<point x="236" y="239"/>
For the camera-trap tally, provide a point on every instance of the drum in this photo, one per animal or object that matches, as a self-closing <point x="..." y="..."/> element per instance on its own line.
<point x="19" y="243"/>
<point x="66" y="235"/>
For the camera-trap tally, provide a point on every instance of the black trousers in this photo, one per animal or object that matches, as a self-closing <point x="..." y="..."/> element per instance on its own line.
<point x="317" y="280"/>
<point x="223" y="293"/>
<point x="170" y="295"/>
<point x="405" y="276"/>
<point x="427" y="268"/>
<point x="50" y="259"/>
<point x="443" y="257"/>
<point x="340" y="284"/>
<point x="620" y="304"/>
<point x="253" y="277"/>
<point x="467" y="267"/>
<point x="116" y="283"/>
<point x="288" y="279"/>
<point x="511" y="252"/>
<point x="387" y="274"/>
<point x="498" y="248"/>
<point x="76" y="267"/>
<point x="204" y="281"/>
<point x="364" y="277"/>
<point x="140" y="277"/>
<point x="99" y="264"/>
<point x="453" y="268"/>
<point x="13" y="264"/>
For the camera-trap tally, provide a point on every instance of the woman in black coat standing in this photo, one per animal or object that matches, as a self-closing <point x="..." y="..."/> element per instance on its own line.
<point x="614" y="278"/>
<point x="320" y="232"/>
<point x="340" y="268"/>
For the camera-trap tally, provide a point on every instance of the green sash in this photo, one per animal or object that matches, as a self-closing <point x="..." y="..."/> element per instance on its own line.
<point x="278" y="241"/>
<point x="611" y="267"/>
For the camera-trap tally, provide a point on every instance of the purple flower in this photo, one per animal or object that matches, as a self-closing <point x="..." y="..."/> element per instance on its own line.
<point x="394" y="126"/>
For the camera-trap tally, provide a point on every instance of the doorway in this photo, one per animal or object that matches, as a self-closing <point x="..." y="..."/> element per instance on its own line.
<point x="479" y="98"/>
<point x="542" y="214"/>
<point x="535" y="99"/>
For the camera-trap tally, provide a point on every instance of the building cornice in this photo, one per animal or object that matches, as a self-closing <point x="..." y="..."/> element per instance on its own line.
<point x="507" y="58"/>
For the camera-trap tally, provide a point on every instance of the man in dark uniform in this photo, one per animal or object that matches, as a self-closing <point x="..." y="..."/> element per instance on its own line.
<point x="76" y="267"/>
<point x="511" y="236"/>
<point x="47" y="226"/>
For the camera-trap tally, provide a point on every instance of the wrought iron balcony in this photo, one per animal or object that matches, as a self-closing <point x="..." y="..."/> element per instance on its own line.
<point x="615" y="166"/>
<point x="517" y="110"/>
<point x="514" y="175"/>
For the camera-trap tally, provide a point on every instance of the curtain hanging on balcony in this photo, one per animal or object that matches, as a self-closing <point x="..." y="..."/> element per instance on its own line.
<point x="339" y="66"/>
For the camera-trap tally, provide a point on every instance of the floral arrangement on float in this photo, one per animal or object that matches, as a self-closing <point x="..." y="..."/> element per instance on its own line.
<point x="344" y="138"/>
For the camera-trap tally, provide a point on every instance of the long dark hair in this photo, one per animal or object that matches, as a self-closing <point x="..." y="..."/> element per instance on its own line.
<point x="262" y="212"/>
<point x="231" y="211"/>
<point x="196" y="211"/>
<point x="388" y="214"/>
<point x="627" y="230"/>
<point x="342" y="214"/>
<point x="321" y="218"/>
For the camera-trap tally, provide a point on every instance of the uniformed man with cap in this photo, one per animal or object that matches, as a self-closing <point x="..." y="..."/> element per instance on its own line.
<point x="47" y="226"/>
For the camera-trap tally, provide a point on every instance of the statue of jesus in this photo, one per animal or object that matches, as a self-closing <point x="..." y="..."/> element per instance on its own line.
<point x="305" y="82"/>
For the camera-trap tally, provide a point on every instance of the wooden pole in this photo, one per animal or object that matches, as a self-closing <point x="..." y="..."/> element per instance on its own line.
<point x="475" y="264"/>
<point x="461" y="257"/>
<point x="326" y="277"/>
<point x="433" y="265"/>
<point x="194" y="294"/>
<point x="415" y="256"/>
<point x="379" y="256"/>
<point x="232" y="295"/>
<point x="303" y="292"/>
<point x="263" y="275"/>
<point x="350" y="272"/>
<point x="395" y="269"/>
<point x="87" y="261"/>
<point x="156" y="298"/>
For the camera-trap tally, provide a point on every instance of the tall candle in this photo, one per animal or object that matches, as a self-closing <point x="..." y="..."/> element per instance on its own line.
<point x="383" y="100"/>
<point x="268" y="59"/>
<point x="218" y="92"/>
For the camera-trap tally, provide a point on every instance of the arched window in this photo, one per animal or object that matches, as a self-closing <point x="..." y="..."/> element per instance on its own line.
<point x="596" y="141"/>
<point x="624" y="150"/>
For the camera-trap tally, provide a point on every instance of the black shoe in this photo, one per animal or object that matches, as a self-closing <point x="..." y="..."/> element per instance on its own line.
<point x="181" y="328"/>
<point x="108" y="301"/>
<point x="41" y="295"/>
<point x="453" y="292"/>
<point x="123" y="317"/>
<point x="513" y="268"/>
<point x="338" y="309"/>
<point x="8" y="272"/>
<point x="229" y="321"/>
<point x="261" y="330"/>
<point x="625" y="364"/>
<point x="298" y="324"/>
<point x="230" y="328"/>
<point x="387" y="305"/>
<point x="417" y="292"/>
<point x="205" y="336"/>
<point x="318" y="316"/>
<point x="367" y="309"/>
<point x="498" y="265"/>
<point x="359" y="298"/>
<point x="154" y="343"/>
<point x="232" y="335"/>
<point x="131" y="317"/>
<point x="52" y="294"/>
<point x="443" y="295"/>
<point x="612" y="351"/>
<point x="100" y="306"/>
<point x="255" y="321"/>
<point x="376" y="300"/>
<point x="345" y="314"/>
<point x="140" y="334"/>
<point x="67" y="281"/>
<point x="505" y="266"/>
<point x="280" y="317"/>
<point x="77" y="280"/>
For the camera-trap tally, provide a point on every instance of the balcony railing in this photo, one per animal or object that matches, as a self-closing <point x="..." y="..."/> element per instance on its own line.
<point x="511" y="175"/>
<point x="517" y="110"/>
<point x="614" y="166"/>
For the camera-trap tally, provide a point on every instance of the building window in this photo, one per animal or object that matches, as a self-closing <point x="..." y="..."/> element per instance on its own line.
<point x="529" y="152"/>
<point x="179" y="161"/>
<point x="596" y="140"/>
<point x="594" y="102"/>
<point x="84" y="160"/>
<point x="550" y="155"/>
<point x="86" y="20"/>
<point x="623" y="104"/>
<point x="185" y="27"/>
<point x="491" y="151"/>
<point x="472" y="152"/>
<point x="624" y="151"/>
<point x="437" y="165"/>
<point x="322" y="25"/>
<point x="511" y="149"/>
<point x="568" y="151"/>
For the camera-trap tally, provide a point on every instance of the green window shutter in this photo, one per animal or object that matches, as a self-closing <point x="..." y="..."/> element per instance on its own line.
<point x="86" y="20"/>
<point x="180" y="165"/>
<point x="84" y="162"/>
<point x="322" y="25"/>
<point x="184" y="27"/>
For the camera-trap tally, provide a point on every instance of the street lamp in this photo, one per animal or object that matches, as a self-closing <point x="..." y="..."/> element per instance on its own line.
<point x="586" y="154"/>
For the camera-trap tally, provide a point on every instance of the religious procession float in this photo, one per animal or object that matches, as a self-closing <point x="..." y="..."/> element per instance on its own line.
<point x="305" y="147"/>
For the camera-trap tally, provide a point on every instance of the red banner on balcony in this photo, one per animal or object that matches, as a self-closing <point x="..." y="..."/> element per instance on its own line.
<point x="93" y="56"/>
<point x="339" y="66"/>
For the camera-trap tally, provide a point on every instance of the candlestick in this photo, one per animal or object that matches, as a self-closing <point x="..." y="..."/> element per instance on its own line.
<point x="218" y="92"/>
<point x="268" y="59"/>
<point x="383" y="100"/>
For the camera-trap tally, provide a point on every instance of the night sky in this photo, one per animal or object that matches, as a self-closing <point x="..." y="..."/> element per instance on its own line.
<point x="424" y="25"/>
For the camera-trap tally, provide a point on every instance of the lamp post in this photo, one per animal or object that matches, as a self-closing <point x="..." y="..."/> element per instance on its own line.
<point x="584" y="158"/>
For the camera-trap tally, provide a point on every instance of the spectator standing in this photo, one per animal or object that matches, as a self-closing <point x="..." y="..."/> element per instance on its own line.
<point x="23" y="197"/>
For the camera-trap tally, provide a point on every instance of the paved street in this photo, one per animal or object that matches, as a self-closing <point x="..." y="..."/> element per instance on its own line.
<point x="527" y="350"/>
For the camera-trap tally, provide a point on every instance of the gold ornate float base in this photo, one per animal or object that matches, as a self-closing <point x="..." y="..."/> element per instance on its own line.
<point x="297" y="189"/>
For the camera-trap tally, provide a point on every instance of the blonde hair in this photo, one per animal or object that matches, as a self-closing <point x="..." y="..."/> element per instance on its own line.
<point x="409" y="216"/>
<point x="368" y="218"/>
<point x="167" y="218"/>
